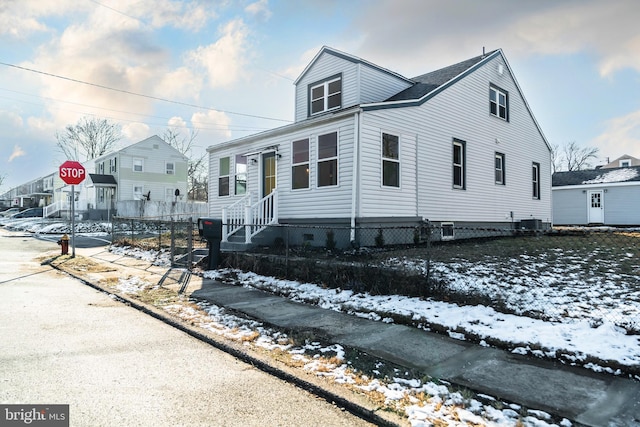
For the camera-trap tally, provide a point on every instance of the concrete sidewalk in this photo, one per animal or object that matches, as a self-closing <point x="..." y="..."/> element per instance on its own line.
<point x="580" y="395"/>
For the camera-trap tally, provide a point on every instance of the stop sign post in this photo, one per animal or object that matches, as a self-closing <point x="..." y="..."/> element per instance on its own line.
<point x="72" y="173"/>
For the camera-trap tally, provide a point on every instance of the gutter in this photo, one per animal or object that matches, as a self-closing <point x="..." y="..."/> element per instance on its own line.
<point x="355" y="174"/>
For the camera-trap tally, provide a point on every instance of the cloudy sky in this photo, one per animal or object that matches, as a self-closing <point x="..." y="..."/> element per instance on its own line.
<point x="226" y="68"/>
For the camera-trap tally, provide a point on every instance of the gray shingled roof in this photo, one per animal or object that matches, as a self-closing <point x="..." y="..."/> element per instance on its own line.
<point x="596" y="176"/>
<point x="426" y="83"/>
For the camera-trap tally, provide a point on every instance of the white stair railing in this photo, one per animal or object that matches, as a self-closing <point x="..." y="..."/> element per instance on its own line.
<point x="233" y="216"/>
<point x="54" y="208"/>
<point x="253" y="217"/>
<point x="260" y="215"/>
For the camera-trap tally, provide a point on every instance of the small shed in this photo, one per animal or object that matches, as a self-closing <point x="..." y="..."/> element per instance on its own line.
<point x="597" y="197"/>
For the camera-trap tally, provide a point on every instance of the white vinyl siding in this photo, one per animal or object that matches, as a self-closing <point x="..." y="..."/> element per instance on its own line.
<point x="437" y="121"/>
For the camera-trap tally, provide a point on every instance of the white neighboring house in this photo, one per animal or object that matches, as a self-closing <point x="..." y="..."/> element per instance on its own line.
<point x="605" y="196"/>
<point x="148" y="178"/>
<point x="458" y="147"/>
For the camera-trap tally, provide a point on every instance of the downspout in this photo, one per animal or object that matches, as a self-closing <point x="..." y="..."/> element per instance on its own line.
<point x="355" y="178"/>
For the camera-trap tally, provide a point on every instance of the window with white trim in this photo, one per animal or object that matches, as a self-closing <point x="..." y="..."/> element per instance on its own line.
<point x="169" y="194"/>
<point x="499" y="103"/>
<point x="241" y="175"/>
<point x="137" y="192"/>
<point x="390" y="160"/>
<point x="138" y="165"/>
<point x="459" y="148"/>
<point x="300" y="164"/>
<point x="223" y="176"/>
<point x="625" y="163"/>
<point x="325" y="96"/>
<point x="170" y="168"/>
<point x="328" y="159"/>
<point x="535" y="180"/>
<point x="499" y="168"/>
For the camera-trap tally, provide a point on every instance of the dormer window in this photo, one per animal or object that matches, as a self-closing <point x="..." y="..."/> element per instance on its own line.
<point x="326" y="95"/>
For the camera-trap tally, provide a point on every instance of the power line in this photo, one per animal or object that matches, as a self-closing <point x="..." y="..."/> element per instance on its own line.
<point x="216" y="125"/>
<point x="139" y="94"/>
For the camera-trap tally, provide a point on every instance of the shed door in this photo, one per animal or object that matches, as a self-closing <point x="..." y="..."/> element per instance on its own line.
<point x="596" y="207"/>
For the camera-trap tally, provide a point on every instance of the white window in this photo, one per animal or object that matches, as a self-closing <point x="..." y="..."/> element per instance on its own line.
<point x="325" y="96"/>
<point x="498" y="103"/>
<point x="300" y="164"/>
<point x="328" y="159"/>
<point x="223" y="176"/>
<point x="535" y="180"/>
<point x="499" y="165"/>
<point x="138" y="192"/>
<point x="625" y="163"/>
<point x="170" y="167"/>
<point x="169" y="194"/>
<point x="241" y="174"/>
<point x="112" y="165"/>
<point x="458" y="164"/>
<point x="138" y="165"/>
<point x="390" y="160"/>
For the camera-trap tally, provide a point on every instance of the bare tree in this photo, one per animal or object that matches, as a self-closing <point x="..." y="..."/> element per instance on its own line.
<point x="578" y="158"/>
<point x="88" y="139"/>
<point x="556" y="160"/>
<point x="196" y="168"/>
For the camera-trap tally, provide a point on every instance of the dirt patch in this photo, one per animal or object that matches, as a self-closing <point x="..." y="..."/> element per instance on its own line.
<point x="78" y="264"/>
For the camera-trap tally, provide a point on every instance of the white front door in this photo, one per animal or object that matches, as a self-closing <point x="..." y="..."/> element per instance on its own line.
<point x="596" y="207"/>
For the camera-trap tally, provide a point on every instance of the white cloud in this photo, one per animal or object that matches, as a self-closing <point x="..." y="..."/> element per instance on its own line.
<point x="621" y="136"/>
<point x="435" y="33"/>
<point x="259" y="9"/>
<point x="177" y="122"/>
<point x="135" y="132"/>
<point x="22" y="18"/>
<point x="17" y="152"/>
<point x="212" y="126"/>
<point x="223" y="60"/>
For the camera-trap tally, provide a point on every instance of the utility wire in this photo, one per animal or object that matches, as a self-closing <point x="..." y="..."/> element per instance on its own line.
<point x="139" y="94"/>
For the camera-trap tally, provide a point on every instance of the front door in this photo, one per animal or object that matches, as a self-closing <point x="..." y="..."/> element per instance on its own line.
<point x="596" y="207"/>
<point x="268" y="173"/>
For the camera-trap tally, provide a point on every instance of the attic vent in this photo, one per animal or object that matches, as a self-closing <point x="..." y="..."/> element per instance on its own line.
<point x="500" y="69"/>
<point x="156" y="146"/>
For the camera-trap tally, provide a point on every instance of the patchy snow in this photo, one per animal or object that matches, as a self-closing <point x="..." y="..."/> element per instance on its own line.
<point x="618" y="175"/>
<point x="424" y="402"/>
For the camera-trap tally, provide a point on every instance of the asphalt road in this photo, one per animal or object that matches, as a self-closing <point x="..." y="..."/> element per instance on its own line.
<point x="62" y="342"/>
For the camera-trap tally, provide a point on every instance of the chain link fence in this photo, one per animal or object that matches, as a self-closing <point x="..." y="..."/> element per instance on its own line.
<point x="558" y="275"/>
<point x="173" y="239"/>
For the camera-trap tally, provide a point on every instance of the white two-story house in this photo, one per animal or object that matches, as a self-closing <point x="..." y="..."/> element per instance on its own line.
<point x="457" y="146"/>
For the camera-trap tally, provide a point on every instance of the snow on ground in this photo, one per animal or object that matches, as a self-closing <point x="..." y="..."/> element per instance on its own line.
<point x="573" y="338"/>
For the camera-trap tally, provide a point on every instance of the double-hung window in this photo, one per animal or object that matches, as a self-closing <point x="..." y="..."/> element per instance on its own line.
<point x="138" y="165"/>
<point x="390" y="160"/>
<point x="300" y="164"/>
<point x="459" y="164"/>
<point x="499" y="103"/>
<point x="170" y="168"/>
<point x="241" y="174"/>
<point x="325" y="96"/>
<point x="328" y="159"/>
<point x="535" y="180"/>
<point x="499" y="167"/>
<point x="223" y="176"/>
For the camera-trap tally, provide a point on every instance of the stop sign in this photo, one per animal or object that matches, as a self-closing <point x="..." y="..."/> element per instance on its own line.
<point x="72" y="172"/>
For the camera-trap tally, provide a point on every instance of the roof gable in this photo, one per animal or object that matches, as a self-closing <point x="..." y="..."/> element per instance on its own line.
<point x="350" y="58"/>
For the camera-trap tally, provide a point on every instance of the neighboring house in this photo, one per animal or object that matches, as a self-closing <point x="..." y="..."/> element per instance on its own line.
<point x="122" y="182"/>
<point x="597" y="197"/>
<point x="458" y="147"/>
<point x="622" y="162"/>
